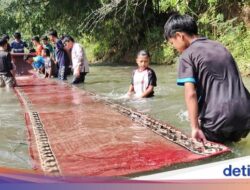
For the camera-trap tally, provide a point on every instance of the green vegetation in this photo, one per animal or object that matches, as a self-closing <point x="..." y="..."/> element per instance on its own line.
<point x="113" y="30"/>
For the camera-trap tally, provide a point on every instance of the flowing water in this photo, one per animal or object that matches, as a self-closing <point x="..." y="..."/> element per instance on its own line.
<point x="109" y="82"/>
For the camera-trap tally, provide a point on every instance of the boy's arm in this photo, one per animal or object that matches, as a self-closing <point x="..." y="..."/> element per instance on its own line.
<point x="148" y="91"/>
<point x="131" y="88"/>
<point x="192" y="106"/>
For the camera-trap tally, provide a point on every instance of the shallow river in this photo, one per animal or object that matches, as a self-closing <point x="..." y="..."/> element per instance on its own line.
<point x="110" y="82"/>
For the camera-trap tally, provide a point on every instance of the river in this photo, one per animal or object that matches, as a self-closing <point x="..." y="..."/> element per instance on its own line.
<point x="109" y="82"/>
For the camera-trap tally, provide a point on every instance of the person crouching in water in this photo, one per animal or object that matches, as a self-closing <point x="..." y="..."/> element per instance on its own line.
<point x="143" y="78"/>
<point x="6" y="77"/>
<point x="80" y="63"/>
<point x="36" y="62"/>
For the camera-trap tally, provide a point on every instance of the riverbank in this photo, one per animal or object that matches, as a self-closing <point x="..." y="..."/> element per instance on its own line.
<point x="236" y="39"/>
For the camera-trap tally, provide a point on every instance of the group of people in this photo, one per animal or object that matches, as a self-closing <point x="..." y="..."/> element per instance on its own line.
<point x="55" y="59"/>
<point x="217" y="101"/>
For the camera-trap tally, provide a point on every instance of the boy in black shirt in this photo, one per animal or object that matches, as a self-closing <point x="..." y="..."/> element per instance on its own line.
<point x="217" y="101"/>
<point x="6" y="78"/>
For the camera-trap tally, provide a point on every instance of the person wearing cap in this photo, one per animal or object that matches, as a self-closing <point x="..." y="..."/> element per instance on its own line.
<point x="17" y="46"/>
<point x="38" y="47"/>
<point x="80" y="63"/>
<point x="6" y="77"/>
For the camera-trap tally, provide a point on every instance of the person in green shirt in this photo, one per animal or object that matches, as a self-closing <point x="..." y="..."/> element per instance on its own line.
<point x="46" y="44"/>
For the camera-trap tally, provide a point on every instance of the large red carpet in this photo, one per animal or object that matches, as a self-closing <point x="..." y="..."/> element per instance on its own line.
<point x="72" y="133"/>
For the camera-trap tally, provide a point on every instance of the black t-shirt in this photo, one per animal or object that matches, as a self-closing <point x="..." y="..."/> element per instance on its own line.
<point x="5" y="62"/>
<point x="223" y="100"/>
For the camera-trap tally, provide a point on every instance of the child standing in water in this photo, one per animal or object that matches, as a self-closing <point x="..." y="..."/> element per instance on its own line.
<point x="143" y="78"/>
<point x="47" y="63"/>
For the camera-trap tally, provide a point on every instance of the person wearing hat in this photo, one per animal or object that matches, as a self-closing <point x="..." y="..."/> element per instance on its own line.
<point x="6" y="77"/>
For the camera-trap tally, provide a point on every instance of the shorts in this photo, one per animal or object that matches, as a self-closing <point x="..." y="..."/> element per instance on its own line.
<point x="7" y="80"/>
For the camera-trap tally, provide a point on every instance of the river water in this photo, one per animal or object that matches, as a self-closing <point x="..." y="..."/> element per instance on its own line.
<point x="109" y="82"/>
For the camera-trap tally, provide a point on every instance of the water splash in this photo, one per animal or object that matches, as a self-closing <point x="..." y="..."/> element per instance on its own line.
<point x="182" y="115"/>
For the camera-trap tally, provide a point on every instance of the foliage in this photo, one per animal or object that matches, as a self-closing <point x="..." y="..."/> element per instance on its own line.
<point x="114" y="30"/>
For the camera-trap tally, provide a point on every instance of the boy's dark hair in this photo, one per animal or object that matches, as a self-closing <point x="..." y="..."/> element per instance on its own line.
<point x="47" y="52"/>
<point x="53" y="33"/>
<point x="67" y="38"/>
<point x="143" y="53"/>
<point x="35" y="38"/>
<point x="180" y="23"/>
<point x="6" y="36"/>
<point x="44" y="38"/>
<point x="32" y="50"/>
<point x="17" y="35"/>
<point x="3" y="41"/>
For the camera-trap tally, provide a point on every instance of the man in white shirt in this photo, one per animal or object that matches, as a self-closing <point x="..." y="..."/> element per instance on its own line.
<point x="80" y="63"/>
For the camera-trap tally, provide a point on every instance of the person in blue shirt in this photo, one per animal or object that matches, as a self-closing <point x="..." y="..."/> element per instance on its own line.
<point x="17" y="46"/>
<point x="36" y="62"/>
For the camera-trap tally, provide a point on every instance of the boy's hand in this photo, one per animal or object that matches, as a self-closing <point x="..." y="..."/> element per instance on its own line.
<point x="198" y="135"/>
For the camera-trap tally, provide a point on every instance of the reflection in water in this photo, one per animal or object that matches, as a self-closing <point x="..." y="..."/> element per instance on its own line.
<point x="110" y="83"/>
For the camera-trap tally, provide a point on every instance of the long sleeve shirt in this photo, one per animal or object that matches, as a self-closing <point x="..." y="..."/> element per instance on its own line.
<point x="79" y="58"/>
